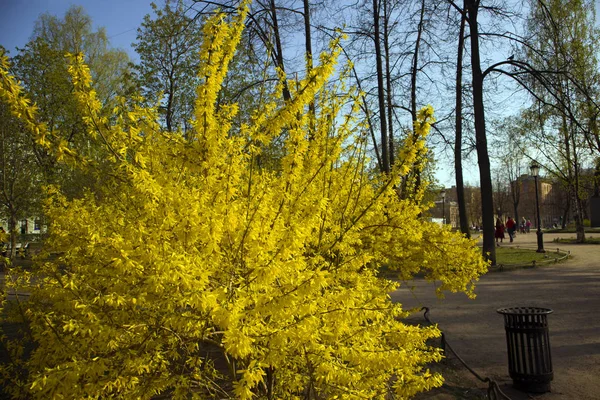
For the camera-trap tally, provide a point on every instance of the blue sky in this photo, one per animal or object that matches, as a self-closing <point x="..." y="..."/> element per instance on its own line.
<point x="121" y="18"/>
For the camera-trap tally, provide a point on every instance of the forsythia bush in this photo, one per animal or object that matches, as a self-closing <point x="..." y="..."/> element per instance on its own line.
<point x="194" y="273"/>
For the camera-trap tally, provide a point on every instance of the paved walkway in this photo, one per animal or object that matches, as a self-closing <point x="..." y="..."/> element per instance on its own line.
<point x="476" y="331"/>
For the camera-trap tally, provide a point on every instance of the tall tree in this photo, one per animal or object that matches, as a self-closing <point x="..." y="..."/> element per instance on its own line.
<point x="383" y="130"/>
<point x="512" y="156"/>
<point x="74" y="33"/>
<point x="400" y="34"/>
<point x="167" y="44"/>
<point x="20" y="181"/>
<point x="501" y="193"/>
<point x="387" y="27"/>
<point x="470" y="11"/>
<point x="414" y="71"/>
<point x="44" y="69"/>
<point x="458" y="136"/>
<point x="565" y="39"/>
<point x="309" y="51"/>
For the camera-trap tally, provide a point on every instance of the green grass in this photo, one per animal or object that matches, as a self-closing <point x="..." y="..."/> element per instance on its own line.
<point x="514" y="256"/>
<point x="571" y="229"/>
<point x="588" y="240"/>
<point x="505" y="255"/>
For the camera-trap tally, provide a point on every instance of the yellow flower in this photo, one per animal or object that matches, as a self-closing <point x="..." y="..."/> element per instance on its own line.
<point x="193" y="254"/>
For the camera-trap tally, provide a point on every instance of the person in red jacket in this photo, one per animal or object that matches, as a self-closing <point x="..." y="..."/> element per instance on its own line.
<point x="499" y="233"/>
<point x="511" y="227"/>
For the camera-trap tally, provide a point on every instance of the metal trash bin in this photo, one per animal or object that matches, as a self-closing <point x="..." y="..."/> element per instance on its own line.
<point x="528" y="343"/>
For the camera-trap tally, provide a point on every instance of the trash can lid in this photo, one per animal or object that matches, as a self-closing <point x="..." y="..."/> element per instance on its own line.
<point x="524" y="311"/>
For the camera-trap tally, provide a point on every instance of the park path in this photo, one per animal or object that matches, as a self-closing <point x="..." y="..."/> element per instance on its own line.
<point x="476" y="331"/>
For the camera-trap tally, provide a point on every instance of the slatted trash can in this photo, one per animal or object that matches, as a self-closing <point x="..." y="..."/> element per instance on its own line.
<point x="528" y="343"/>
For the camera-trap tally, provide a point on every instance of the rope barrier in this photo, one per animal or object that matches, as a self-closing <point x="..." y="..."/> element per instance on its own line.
<point x="493" y="390"/>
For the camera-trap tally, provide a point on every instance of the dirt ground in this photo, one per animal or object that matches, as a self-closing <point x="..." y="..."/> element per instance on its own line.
<point x="476" y="331"/>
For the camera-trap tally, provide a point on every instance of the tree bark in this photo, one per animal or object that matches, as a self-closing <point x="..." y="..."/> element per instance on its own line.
<point x="570" y="151"/>
<point x="309" y="61"/>
<point x="170" y="100"/>
<point x="385" y="154"/>
<point x="579" y="209"/>
<point x="309" y="65"/>
<point x="485" y="179"/>
<point x="566" y="212"/>
<point x="458" y="170"/>
<point x="388" y="81"/>
<point x="279" y="49"/>
<point x="413" y="85"/>
<point x="307" y="36"/>
<point x="12" y="227"/>
<point x="515" y="191"/>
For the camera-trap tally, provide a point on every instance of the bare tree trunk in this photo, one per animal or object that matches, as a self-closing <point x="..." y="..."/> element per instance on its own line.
<point x="573" y="175"/>
<point x="566" y="212"/>
<point x="597" y="176"/>
<point x="579" y="228"/>
<point x="365" y="108"/>
<point x="458" y="170"/>
<point x="12" y="227"/>
<point x="385" y="154"/>
<point x="487" y="203"/>
<point x="309" y="60"/>
<point x="579" y="209"/>
<point x="279" y="49"/>
<point x="388" y="80"/>
<point x="413" y="85"/>
<point x="170" y="100"/>
<point x="307" y="36"/>
<point x="515" y="192"/>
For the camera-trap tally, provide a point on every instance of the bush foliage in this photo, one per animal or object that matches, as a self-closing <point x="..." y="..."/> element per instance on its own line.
<point x="194" y="272"/>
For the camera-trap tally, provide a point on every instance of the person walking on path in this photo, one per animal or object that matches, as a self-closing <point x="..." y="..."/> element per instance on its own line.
<point x="511" y="226"/>
<point x="499" y="233"/>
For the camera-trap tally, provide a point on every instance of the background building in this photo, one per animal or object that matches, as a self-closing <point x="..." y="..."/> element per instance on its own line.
<point x="551" y="201"/>
<point x="26" y="226"/>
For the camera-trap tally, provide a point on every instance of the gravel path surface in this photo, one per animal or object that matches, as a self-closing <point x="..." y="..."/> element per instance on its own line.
<point x="476" y="331"/>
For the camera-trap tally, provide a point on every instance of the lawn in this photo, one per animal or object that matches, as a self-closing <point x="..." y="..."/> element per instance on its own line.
<point x="518" y="256"/>
<point x="571" y="229"/>
<point x="505" y="256"/>
<point x="588" y="240"/>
